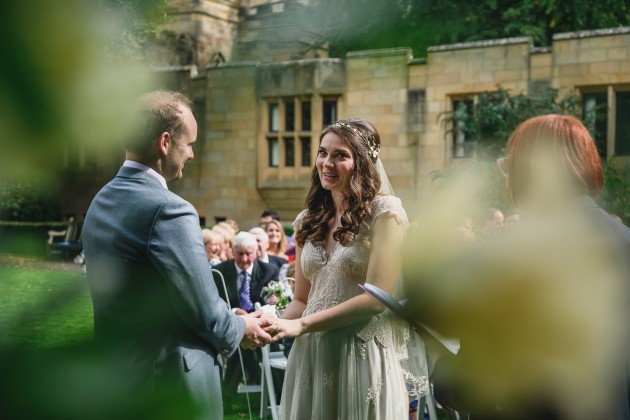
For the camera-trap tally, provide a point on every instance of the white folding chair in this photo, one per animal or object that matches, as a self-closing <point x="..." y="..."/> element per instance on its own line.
<point x="244" y="389"/>
<point x="430" y="401"/>
<point x="270" y="360"/>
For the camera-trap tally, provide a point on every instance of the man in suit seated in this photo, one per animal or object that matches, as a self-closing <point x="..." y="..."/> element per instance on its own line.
<point x="245" y="277"/>
<point x="263" y="245"/>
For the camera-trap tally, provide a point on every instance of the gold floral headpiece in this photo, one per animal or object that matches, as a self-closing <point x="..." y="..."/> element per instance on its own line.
<point x="374" y="150"/>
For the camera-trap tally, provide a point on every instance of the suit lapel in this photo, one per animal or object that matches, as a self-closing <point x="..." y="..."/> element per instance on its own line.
<point x="232" y="283"/>
<point x="256" y="278"/>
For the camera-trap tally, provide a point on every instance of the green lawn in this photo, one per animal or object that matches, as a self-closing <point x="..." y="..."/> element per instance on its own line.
<point x="43" y="310"/>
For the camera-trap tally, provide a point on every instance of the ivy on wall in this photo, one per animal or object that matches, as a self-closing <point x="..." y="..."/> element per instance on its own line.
<point x="490" y="121"/>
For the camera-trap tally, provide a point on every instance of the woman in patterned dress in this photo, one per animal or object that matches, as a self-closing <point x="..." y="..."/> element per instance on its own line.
<point x="351" y="359"/>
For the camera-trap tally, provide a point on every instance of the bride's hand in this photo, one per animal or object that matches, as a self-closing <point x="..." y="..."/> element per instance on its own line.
<point x="285" y="328"/>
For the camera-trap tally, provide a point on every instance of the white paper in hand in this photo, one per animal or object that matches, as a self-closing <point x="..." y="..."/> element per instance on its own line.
<point x="450" y="344"/>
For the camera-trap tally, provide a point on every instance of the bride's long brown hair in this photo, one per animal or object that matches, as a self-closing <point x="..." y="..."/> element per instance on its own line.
<point x="365" y="184"/>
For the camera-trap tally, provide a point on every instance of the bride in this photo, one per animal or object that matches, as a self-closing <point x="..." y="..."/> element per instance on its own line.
<point x="351" y="359"/>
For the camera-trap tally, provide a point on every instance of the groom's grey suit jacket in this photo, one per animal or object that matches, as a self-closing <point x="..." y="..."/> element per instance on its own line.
<point x="156" y="306"/>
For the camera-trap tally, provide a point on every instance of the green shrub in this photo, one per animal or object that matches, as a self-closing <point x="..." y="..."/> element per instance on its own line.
<point x="615" y="197"/>
<point x="25" y="200"/>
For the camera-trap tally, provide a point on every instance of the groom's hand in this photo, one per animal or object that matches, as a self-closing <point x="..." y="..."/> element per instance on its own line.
<point x="255" y="335"/>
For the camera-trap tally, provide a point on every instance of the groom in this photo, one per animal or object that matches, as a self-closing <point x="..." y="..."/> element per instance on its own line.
<point x="158" y="317"/>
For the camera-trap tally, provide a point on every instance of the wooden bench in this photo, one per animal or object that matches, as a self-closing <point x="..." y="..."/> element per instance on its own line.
<point x="65" y="243"/>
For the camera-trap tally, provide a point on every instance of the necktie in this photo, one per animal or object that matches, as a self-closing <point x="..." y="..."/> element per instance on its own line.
<point x="245" y="296"/>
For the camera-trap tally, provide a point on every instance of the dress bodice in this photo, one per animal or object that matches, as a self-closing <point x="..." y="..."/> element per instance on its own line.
<point x="337" y="278"/>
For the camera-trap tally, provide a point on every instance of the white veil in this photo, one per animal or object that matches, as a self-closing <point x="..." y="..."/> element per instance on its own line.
<point x="409" y="346"/>
<point x="386" y="186"/>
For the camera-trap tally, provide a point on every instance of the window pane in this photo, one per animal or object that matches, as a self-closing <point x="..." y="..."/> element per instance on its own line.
<point x="306" y="151"/>
<point x="274" y="153"/>
<point x="462" y="112"/>
<point x="416" y="104"/>
<point x="622" y="124"/>
<point x="306" y="116"/>
<point x="596" y="119"/>
<point x="289" y="116"/>
<point x="289" y="152"/>
<point x="330" y="112"/>
<point x="274" y="117"/>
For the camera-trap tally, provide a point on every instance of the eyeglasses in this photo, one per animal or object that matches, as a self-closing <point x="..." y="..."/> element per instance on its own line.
<point x="502" y="163"/>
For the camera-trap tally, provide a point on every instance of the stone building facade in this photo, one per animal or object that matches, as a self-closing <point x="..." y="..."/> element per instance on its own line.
<point x="261" y="120"/>
<point x="211" y="32"/>
<point x="262" y="106"/>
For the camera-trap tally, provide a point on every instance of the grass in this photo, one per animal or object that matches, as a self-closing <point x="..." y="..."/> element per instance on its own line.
<point x="46" y="310"/>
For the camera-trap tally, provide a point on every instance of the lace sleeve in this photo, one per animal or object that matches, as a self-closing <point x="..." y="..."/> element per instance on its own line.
<point x="388" y="204"/>
<point x="297" y="224"/>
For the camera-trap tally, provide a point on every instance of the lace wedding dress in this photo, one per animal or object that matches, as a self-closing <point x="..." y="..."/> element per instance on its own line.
<point x="365" y="371"/>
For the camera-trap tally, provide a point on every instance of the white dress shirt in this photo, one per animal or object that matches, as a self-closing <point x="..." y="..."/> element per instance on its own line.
<point x="152" y="172"/>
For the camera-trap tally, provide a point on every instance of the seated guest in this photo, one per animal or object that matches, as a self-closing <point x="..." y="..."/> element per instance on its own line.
<point x="245" y="277"/>
<point x="277" y="239"/>
<point x="233" y="224"/>
<point x="267" y="216"/>
<point x="263" y="245"/>
<point x="212" y="242"/>
<point x="226" y="246"/>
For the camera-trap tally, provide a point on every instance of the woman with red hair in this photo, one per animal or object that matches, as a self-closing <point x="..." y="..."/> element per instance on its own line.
<point x="551" y="158"/>
<point x="541" y="311"/>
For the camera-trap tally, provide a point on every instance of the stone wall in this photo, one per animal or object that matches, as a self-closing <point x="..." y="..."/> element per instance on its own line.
<point x="600" y="57"/>
<point x="227" y="155"/>
<point x="460" y="71"/>
<point x="377" y="86"/>
<point x="277" y="31"/>
<point x="198" y="32"/>
<point x="210" y="32"/>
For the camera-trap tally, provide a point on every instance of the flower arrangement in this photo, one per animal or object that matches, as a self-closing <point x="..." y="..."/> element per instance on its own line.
<point x="80" y="259"/>
<point x="275" y="293"/>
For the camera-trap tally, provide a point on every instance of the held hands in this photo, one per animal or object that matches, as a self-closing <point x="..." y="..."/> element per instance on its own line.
<point x="255" y="330"/>
<point x="263" y="328"/>
<point x="285" y="328"/>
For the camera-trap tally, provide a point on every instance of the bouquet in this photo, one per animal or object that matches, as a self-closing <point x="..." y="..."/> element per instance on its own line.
<point x="275" y="293"/>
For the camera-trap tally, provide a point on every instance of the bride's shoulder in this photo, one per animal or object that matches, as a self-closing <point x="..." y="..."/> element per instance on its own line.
<point x="389" y="204"/>
<point x="297" y="223"/>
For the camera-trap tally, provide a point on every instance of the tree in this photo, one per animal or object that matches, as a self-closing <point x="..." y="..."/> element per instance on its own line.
<point x="132" y="21"/>
<point x="367" y="24"/>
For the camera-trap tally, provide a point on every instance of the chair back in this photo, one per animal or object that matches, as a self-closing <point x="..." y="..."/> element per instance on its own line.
<point x="70" y="230"/>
